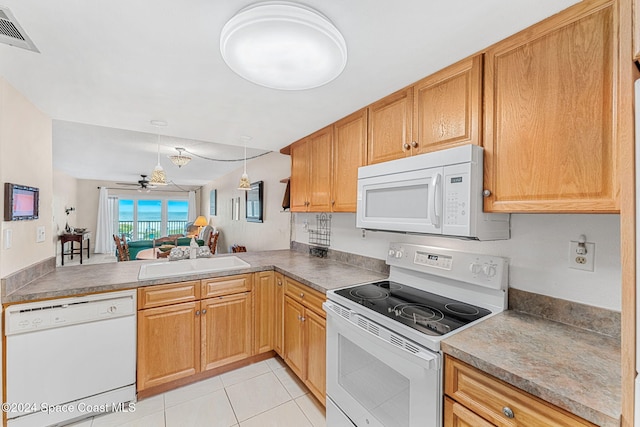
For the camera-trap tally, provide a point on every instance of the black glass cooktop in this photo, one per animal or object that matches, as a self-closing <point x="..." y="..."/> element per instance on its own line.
<point x="429" y="313"/>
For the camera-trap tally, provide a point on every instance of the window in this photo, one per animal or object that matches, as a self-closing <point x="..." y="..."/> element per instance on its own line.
<point x="150" y="218"/>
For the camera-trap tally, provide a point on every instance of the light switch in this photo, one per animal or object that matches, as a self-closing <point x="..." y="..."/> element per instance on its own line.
<point x="8" y="235"/>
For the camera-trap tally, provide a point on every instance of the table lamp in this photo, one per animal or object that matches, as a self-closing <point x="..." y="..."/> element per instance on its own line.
<point x="200" y="222"/>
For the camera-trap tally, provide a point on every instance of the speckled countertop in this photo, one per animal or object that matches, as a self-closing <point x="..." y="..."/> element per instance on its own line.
<point x="318" y="273"/>
<point x="572" y="368"/>
<point x="569" y="367"/>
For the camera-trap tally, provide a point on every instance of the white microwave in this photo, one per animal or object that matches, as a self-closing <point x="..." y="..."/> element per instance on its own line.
<point x="433" y="193"/>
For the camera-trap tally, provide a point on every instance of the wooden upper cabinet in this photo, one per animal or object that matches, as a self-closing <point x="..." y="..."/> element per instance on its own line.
<point x="636" y="30"/>
<point x="311" y="171"/>
<point x="320" y="170"/>
<point x="390" y="127"/>
<point x="448" y="107"/>
<point x="349" y="153"/>
<point x="551" y="140"/>
<point x="299" y="183"/>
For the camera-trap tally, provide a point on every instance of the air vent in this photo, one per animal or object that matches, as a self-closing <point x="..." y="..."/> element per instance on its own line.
<point x="396" y="341"/>
<point x="11" y="32"/>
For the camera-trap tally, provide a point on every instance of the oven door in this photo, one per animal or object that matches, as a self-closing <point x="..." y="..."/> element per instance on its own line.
<point x="378" y="378"/>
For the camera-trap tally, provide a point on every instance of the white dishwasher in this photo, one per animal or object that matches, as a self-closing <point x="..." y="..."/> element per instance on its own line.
<point x="69" y="358"/>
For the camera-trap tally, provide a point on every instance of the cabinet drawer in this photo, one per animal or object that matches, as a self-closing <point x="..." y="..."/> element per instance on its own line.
<point x="489" y="397"/>
<point x="226" y="285"/>
<point x="310" y="298"/>
<point x="173" y="293"/>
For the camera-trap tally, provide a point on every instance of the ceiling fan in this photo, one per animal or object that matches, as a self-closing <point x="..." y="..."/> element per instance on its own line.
<point x="143" y="183"/>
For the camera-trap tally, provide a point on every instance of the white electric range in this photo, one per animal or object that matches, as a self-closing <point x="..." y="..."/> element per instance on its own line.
<point x="384" y="366"/>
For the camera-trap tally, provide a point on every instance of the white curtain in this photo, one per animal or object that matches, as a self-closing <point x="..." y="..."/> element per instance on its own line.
<point x="104" y="231"/>
<point x="191" y="214"/>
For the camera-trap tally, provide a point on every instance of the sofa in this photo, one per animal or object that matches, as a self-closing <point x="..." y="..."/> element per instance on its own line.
<point x="136" y="246"/>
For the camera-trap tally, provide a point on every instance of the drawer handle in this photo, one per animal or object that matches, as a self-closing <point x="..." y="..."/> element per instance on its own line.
<point x="507" y="412"/>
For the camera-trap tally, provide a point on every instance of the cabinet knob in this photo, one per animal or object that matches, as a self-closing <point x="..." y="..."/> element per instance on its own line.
<point x="507" y="412"/>
<point x="302" y="319"/>
<point x="414" y="144"/>
<point x="197" y="312"/>
<point x="279" y="282"/>
<point x="301" y="295"/>
<point x="333" y="202"/>
<point x="406" y="146"/>
<point x="486" y="193"/>
<point x="204" y="311"/>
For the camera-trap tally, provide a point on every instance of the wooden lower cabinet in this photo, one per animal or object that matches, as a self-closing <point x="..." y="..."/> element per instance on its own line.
<point x="179" y="339"/>
<point x="294" y="348"/>
<point x="316" y="345"/>
<point x="168" y="344"/>
<point x="304" y="345"/>
<point x="474" y="398"/>
<point x="264" y="297"/>
<point x="279" y="309"/>
<point x="226" y="329"/>
<point x="456" y="415"/>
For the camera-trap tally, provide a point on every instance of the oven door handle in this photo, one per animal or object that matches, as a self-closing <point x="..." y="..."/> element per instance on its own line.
<point x="352" y="320"/>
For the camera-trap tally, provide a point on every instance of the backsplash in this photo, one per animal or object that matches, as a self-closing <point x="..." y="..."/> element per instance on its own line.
<point x="16" y="280"/>
<point x="373" y="264"/>
<point x="596" y="319"/>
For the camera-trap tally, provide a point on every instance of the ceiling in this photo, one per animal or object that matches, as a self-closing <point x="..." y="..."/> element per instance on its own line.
<point x="107" y="68"/>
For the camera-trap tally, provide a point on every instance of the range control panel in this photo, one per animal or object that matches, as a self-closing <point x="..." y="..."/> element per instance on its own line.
<point x="486" y="270"/>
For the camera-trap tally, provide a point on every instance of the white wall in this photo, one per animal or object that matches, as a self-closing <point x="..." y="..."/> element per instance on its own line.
<point x="25" y="158"/>
<point x="538" y="252"/>
<point x="274" y="232"/>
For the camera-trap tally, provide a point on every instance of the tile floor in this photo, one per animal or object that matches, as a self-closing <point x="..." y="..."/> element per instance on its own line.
<point x="265" y="394"/>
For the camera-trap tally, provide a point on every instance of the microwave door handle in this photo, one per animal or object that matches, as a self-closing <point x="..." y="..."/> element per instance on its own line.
<point x="436" y="199"/>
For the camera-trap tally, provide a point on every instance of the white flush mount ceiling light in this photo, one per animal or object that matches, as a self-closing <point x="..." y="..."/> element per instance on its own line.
<point x="283" y="45"/>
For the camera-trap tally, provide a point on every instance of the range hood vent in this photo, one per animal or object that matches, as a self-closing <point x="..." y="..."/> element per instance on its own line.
<point x="11" y="32"/>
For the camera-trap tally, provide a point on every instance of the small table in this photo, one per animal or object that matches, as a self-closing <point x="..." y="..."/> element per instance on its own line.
<point x="75" y="237"/>
<point x="151" y="253"/>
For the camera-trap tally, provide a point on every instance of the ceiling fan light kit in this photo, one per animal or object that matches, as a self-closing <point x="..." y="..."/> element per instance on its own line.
<point x="283" y="45"/>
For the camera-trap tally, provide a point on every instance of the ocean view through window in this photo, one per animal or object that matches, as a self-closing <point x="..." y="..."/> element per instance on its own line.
<point x="140" y="219"/>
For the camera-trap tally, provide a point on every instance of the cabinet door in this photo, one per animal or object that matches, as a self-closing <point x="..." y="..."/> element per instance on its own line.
<point x="316" y="334"/>
<point x="551" y="141"/>
<point x="161" y="356"/>
<point x="320" y="170"/>
<point x="279" y="314"/>
<point x="227" y="332"/>
<point x="264" y="295"/>
<point x="299" y="184"/>
<point x="294" y="347"/>
<point x="349" y="153"/>
<point x="456" y="415"/>
<point x="390" y="127"/>
<point x="447" y="107"/>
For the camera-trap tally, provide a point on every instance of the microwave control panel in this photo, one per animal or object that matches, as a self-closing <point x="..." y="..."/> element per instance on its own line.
<point x="456" y="198"/>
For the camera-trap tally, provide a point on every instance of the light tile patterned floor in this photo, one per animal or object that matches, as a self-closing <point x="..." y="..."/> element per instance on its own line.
<point x="265" y="394"/>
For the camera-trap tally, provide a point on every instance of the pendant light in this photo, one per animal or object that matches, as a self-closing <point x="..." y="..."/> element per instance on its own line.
<point x="158" y="176"/>
<point x="179" y="159"/>
<point x="245" y="184"/>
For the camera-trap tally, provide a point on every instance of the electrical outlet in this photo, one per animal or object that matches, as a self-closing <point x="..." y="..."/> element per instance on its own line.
<point x="582" y="258"/>
<point x="40" y="234"/>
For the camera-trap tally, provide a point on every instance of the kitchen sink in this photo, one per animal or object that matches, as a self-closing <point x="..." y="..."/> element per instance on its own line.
<point x="190" y="266"/>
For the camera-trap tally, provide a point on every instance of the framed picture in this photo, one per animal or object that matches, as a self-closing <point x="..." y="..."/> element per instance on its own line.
<point x="253" y="202"/>
<point x="212" y="202"/>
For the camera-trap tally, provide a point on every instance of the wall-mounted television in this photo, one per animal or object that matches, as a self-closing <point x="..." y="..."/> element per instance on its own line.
<point x="20" y="202"/>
